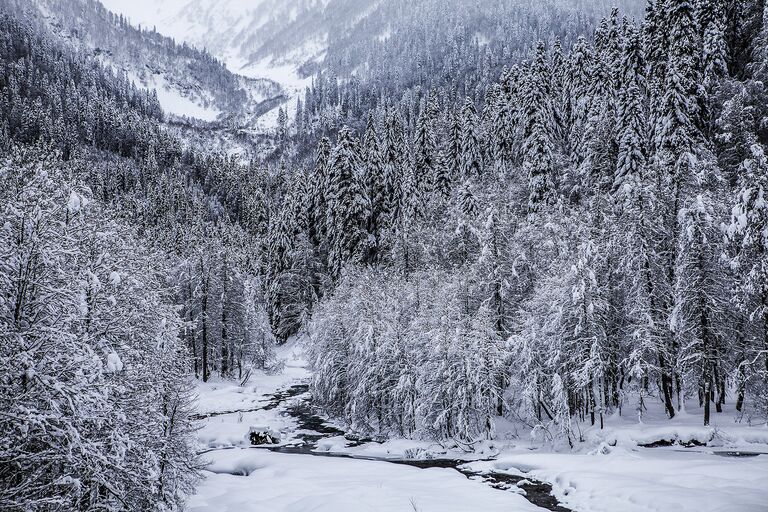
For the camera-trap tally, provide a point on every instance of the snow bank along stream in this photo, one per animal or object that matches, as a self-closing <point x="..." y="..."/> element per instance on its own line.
<point x="312" y="428"/>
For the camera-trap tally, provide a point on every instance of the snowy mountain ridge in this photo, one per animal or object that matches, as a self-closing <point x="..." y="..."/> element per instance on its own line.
<point x="190" y="83"/>
<point x="239" y="32"/>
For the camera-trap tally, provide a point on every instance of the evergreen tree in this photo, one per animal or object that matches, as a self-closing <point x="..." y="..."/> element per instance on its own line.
<point x="631" y="126"/>
<point x="747" y="228"/>
<point x="348" y="204"/>
<point x="426" y="158"/>
<point x="537" y="147"/>
<point x="699" y="319"/>
<point x="376" y="190"/>
<point x="471" y="157"/>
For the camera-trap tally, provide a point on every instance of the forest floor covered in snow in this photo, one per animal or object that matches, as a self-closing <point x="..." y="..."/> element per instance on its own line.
<point x="719" y="468"/>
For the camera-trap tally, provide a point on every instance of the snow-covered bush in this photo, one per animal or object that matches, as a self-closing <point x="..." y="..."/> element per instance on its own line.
<point x="407" y="359"/>
<point x="93" y="379"/>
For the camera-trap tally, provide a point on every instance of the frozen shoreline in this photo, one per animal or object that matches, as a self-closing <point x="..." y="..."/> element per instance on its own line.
<point x="609" y="472"/>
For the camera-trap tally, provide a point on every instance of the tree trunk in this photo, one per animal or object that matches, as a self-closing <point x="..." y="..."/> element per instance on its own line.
<point x="666" y="386"/>
<point x="204" y="307"/>
<point x="708" y="355"/>
<point x="765" y="326"/>
<point x="720" y="389"/>
<point x="666" y="379"/>
<point x="224" y="339"/>
<point x="741" y="387"/>
<point x="707" y="391"/>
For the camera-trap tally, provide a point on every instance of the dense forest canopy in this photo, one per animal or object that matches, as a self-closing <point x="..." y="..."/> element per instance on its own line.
<point x="549" y="220"/>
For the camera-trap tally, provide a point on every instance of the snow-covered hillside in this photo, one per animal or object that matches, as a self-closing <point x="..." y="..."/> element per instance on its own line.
<point x="190" y="83"/>
<point x="252" y="38"/>
<point x="238" y="32"/>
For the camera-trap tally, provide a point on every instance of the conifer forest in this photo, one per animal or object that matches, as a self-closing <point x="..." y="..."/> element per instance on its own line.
<point x="383" y="255"/>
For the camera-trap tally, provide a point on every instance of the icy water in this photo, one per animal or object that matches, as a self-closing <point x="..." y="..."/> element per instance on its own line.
<point x="313" y="429"/>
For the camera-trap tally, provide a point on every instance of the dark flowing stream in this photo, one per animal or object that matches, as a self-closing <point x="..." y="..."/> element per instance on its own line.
<point x="314" y="429"/>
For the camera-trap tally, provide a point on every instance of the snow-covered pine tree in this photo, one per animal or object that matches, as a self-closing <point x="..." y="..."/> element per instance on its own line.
<point x="678" y="123"/>
<point x="319" y="191"/>
<point x="426" y="158"/>
<point x="631" y="127"/>
<point x="394" y="168"/>
<point x="348" y="204"/>
<point x="376" y="190"/>
<point x="471" y="156"/>
<point x="453" y="151"/>
<point x="577" y="87"/>
<point x="538" y="160"/>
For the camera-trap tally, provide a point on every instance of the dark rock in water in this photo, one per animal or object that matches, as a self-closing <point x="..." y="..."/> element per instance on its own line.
<point x="673" y="442"/>
<point x="259" y="436"/>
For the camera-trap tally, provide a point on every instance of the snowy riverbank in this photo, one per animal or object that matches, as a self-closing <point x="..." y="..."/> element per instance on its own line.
<point x="609" y="472"/>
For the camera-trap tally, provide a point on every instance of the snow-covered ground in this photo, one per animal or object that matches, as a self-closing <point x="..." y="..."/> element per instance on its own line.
<point x="647" y="480"/>
<point x="609" y="472"/>
<point x="172" y="100"/>
<point x="302" y="483"/>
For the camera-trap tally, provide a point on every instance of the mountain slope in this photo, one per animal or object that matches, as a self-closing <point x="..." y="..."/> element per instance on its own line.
<point x="189" y="82"/>
<point x="251" y="37"/>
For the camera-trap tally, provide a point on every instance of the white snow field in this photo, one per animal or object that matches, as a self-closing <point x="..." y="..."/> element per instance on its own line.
<point x="648" y="480"/>
<point x="610" y="473"/>
<point x="303" y="483"/>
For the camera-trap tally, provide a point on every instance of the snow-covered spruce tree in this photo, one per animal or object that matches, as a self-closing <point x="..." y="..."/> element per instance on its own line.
<point x="656" y="44"/>
<point x="599" y="138"/>
<point x="678" y="121"/>
<point x="295" y="270"/>
<point x="348" y="204"/>
<point x="559" y="96"/>
<point x="465" y="213"/>
<point x="644" y="329"/>
<point x="394" y="171"/>
<point x="471" y="156"/>
<point x="631" y="127"/>
<point x="94" y="391"/>
<point x="504" y="118"/>
<point x="676" y="117"/>
<point x="597" y="169"/>
<point x="453" y="151"/>
<point x="537" y="146"/>
<point x="710" y="16"/>
<point x="376" y="190"/>
<point x="426" y="157"/>
<point x="759" y="70"/>
<point x="577" y="87"/>
<point x="319" y="192"/>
